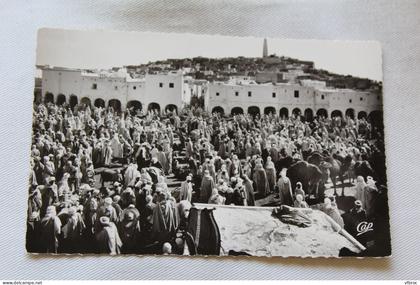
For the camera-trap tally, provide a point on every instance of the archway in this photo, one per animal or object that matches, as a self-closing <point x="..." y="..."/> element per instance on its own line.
<point x="284" y="112"/>
<point x="253" y="110"/>
<point x="154" y="106"/>
<point x="237" y="111"/>
<point x="218" y="109"/>
<point x="49" y="97"/>
<point x="336" y="113"/>
<point x="362" y="114"/>
<point x="61" y="99"/>
<point x="309" y="115"/>
<point x="73" y="101"/>
<point x="322" y="113"/>
<point x="350" y="113"/>
<point x="99" y="103"/>
<point x="296" y="112"/>
<point x="376" y="118"/>
<point x="115" y="104"/>
<point x="85" y="101"/>
<point x="268" y="110"/>
<point x="135" y="105"/>
<point x="171" y="108"/>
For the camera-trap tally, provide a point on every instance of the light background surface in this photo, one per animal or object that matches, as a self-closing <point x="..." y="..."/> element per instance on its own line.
<point x="395" y="24"/>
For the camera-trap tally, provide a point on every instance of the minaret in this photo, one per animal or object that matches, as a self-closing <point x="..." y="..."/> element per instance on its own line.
<point x="265" y="49"/>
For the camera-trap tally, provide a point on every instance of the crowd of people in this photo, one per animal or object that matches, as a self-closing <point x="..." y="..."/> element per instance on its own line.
<point x="98" y="180"/>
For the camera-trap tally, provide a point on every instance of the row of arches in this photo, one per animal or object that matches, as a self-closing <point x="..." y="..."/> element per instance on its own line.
<point x="308" y="114"/>
<point x="114" y="103"/>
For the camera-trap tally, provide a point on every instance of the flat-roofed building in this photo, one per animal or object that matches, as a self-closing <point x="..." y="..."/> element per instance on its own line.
<point x="114" y="88"/>
<point x="286" y="99"/>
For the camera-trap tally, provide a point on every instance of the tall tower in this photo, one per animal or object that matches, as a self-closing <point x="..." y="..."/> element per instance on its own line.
<point x="265" y="49"/>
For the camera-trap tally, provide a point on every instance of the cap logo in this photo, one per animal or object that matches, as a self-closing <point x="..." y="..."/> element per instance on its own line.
<point x="364" y="227"/>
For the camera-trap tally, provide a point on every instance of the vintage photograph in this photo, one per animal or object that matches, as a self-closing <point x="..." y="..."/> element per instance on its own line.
<point x="181" y="144"/>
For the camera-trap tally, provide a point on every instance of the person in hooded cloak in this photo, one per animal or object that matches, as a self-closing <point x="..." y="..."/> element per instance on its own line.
<point x="64" y="191"/>
<point x="207" y="186"/>
<point x="360" y="190"/>
<point x="209" y="165"/>
<point x="146" y="218"/>
<point x="161" y="157"/>
<point x="72" y="231"/>
<point x="155" y="163"/>
<point x="261" y="181"/>
<point x="239" y="195"/>
<point x="371" y="193"/>
<point x="49" y="195"/>
<point x="131" y="174"/>
<point x="235" y="166"/>
<point x="274" y="153"/>
<point x="90" y="174"/>
<point x="162" y="184"/>
<point x="33" y="219"/>
<point x="330" y="208"/>
<point x="249" y="191"/>
<point x="285" y="188"/>
<point x="107" y="237"/>
<point x="128" y="197"/>
<point x="189" y="148"/>
<point x="49" y="169"/>
<point x="97" y="157"/>
<point x="185" y="192"/>
<point x="165" y="218"/>
<point x="271" y="173"/>
<point x="38" y="169"/>
<point x="107" y="210"/>
<point x="50" y="231"/>
<point x="145" y="176"/>
<point x="129" y="229"/>
<point x="216" y="198"/>
<point x="222" y="150"/>
<point x="184" y="207"/>
<point x="117" y="147"/>
<point x="300" y="202"/>
<point x="299" y="190"/>
<point x="107" y="153"/>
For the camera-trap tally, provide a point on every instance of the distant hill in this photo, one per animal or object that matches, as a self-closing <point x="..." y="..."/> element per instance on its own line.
<point x="221" y="68"/>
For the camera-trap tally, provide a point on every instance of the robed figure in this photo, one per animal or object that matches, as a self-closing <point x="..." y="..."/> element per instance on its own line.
<point x="261" y="181"/>
<point x="165" y="219"/>
<point x="285" y="189"/>
<point x="249" y="191"/>
<point x="271" y="173"/>
<point x="72" y="231"/>
<point x="186" y="190"/>
<point x="50" y="231"/>
<point x="108" y="239"/>
<point x="207" y="185"/>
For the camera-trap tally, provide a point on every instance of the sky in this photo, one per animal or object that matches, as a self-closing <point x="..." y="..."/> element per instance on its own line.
<point x="106" y="49"/>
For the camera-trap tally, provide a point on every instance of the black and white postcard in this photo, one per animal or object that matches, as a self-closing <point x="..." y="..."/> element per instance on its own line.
<point x="182" y="144"/>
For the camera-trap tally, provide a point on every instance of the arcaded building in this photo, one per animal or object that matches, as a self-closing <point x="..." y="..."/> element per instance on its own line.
<point x="173" y="90"/>
<point x="117" y="89"/>
<point x="307" y="98"/>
